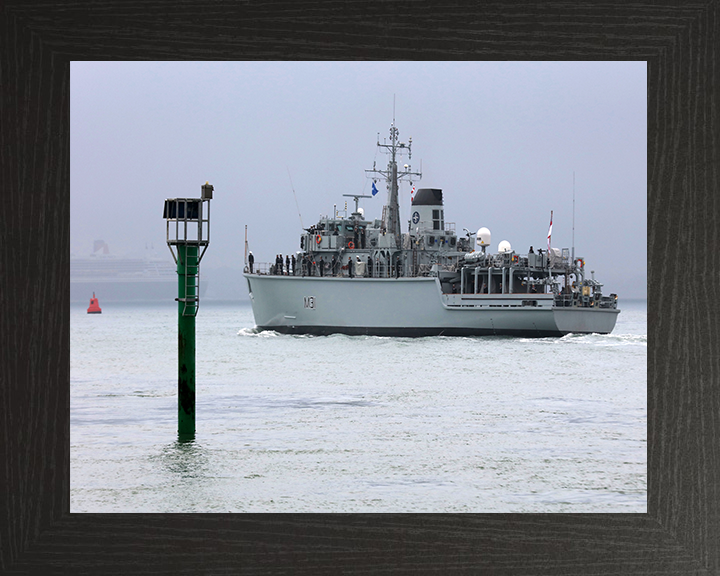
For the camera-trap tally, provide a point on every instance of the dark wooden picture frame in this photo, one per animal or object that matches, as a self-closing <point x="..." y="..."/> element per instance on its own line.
<point x="680" y="534"/>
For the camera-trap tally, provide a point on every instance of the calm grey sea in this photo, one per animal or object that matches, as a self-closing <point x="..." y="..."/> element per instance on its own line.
<point x="354" y="423"/>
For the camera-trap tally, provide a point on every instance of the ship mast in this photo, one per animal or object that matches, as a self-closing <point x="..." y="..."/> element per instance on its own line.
<point x="393" y="176"/>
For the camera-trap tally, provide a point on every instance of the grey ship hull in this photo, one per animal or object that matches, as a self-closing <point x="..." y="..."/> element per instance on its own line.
<point x="410" y="307"/>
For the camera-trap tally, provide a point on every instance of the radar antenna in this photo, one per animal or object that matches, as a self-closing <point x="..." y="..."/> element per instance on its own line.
<point x="356" y="197"/>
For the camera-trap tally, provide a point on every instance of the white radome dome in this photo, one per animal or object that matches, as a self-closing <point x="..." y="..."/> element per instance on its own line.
<point x="504" y="246"/>
<point x="483" y="237"/>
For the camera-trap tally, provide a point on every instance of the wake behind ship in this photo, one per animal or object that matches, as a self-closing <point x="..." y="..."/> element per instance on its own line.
<point x="359" y="276"/>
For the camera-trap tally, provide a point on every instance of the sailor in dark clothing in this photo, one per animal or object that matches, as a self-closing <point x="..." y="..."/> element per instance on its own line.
<point x="293" y="264"/>
<point x="251" y="261"/>
<point x="531" y="251"/>
<point x="350" y="267"/>
<point x="356" y="233"/>
<point x="287" y="265"/>
<point x="370" y="266"/>
<point x="321" y="265"/>
<point x="333" y="266"/>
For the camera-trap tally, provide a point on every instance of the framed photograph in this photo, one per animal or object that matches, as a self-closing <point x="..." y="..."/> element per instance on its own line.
<point x="676" y="535"/>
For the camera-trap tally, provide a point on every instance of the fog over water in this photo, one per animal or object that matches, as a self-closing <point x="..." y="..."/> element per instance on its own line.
<point x="501" y="139"/>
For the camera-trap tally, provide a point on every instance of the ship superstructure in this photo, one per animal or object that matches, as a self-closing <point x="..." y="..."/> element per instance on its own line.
<point x="358" y="276"/>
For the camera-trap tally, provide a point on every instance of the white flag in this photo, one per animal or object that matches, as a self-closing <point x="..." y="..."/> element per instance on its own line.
<point x="550" y="230"/>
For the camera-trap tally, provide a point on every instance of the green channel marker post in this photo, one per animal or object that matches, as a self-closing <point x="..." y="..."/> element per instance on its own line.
<point x="187" y="231"/>
<point x="187" y="266"/>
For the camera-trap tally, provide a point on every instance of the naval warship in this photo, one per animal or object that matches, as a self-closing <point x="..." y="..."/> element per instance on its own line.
<point x="355" y="276"/>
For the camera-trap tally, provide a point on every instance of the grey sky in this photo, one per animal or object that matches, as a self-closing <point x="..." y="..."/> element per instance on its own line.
<point x="501" y="139"/>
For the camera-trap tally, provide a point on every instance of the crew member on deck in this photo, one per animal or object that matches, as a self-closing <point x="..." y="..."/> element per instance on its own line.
<point x="251" y="261"/>
<point x="350" y="267"/>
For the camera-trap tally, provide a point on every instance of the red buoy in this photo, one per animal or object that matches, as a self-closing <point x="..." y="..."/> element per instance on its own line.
<point x="94" y="306"/>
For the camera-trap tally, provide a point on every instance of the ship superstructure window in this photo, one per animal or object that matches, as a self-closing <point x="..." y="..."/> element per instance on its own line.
<point x="438" y="219"/>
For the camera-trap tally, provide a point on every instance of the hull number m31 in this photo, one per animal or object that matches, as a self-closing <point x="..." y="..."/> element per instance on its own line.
<point x="309" y="302"/>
